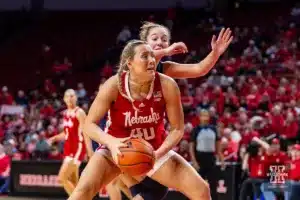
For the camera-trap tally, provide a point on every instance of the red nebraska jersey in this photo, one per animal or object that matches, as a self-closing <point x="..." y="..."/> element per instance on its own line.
<point x="74" y="144"/>
<point x="143" y="119"/>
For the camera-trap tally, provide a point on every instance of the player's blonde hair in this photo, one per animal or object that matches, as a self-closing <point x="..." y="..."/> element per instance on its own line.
<point x="127" y="54"/>
<point x="148" y="26"/>
<point x="69" y="91"/>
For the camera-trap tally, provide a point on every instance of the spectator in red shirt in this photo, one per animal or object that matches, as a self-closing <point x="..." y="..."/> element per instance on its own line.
<point x="255" y="161"/>
<point x="253" y="98"/>
<point x="294" y="92"/>
<point x="231" y="100"/>
<point x="264" y="104"/>
<point x="4" y="170"/>
<point x="294" y="174"/>
<point x="275" y="155"/>
<point x="107" y="70"/>
<point x="49" y="87"/>
<point x="218" y="98"/>
<point x="198" y="96"/>
<point x="291" y="126"/>
<point x="242" y="121"/>
<point x="47" y="110"/>
<point x="248" y="135"/>
<point x="281" y="95"/>
<point x="267" y="88"/>
<point x="65" y="67"/>
<point x="6" y="97"/>
<point x="229" y="146"/>
<point x="227" y="119"/>
<point x="55" y="154"/>
<point x="276" y="120"/>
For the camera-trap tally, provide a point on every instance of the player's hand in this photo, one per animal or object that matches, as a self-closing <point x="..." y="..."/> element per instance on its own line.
<point x="220" y="44"/>
<point x="176" y="48"/>
<point x="50" y="141"/>
<point x="114" y="147"/>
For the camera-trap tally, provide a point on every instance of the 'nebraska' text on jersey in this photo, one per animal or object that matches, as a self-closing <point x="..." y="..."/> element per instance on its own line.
<point x="147" y="122"/>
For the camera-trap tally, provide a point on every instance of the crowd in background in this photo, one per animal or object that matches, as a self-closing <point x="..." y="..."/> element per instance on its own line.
<point x="254" y="91"/>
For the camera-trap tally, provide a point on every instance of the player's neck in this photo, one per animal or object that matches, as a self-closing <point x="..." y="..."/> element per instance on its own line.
<point x="135" y="80"/>
<point x="139" y="87"/>
<point x="71" y="107"/>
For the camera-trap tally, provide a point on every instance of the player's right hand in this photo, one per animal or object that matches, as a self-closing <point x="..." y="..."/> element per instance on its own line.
<point x="177" y="48"/>
<point x="50" y="142"/>
<point x="114" y="147"/>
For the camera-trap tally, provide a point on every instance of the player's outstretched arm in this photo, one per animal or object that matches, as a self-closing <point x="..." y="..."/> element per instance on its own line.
<point x="59" y="137"/>
<point x="219" y="45"/>
<point x="175" y="115"/>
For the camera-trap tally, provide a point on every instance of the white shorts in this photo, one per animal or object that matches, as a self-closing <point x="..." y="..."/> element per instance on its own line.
<point x="160" y="162"/>
<point x="68" y="159"/>
<point x="157" y="165"/>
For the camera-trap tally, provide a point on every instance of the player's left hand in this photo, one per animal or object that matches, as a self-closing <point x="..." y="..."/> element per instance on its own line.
<point x="220" y="44"/>
<point x="157" y="156"/>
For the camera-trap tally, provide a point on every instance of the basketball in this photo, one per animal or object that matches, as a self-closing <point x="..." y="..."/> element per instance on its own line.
<point x="137" y="158"/>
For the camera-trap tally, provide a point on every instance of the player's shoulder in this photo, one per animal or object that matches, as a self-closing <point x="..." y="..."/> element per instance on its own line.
<point x="80" y="111"/>
<point x="168" y="85"/>
<point x="167" y="80"/>
<point x="110" y="86"/>
<point x="110" y="82"/>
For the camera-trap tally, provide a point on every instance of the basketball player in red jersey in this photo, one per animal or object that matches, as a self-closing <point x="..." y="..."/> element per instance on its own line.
<point x="138" y="98"/>
<point x="158" y="37"/>
<point x="76" y="143"/>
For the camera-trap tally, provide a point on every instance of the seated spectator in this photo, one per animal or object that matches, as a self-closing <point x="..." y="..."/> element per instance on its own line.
<point x="291" y="127"/>
<point x="55" y="154"/>
<point x="6" y="97"/>
<point x="21" y="99"/>
<point x="107" y="70"/>
<point x="229" y="146"/>
<point x="42" y="146"/>
<point x="81" y="92"/>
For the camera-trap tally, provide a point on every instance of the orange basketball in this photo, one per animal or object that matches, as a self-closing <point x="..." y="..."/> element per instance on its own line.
<point x="138" y="157"/>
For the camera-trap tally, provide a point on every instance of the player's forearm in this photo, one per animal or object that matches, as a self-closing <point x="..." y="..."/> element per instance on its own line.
<point x="159" y="54"/>
<point x="262" y="143"/>
<point x="59" y="137"/>
<point x="203" y="67"/>
<point x="170" y="142"/>
<point x="97" y="134"/>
